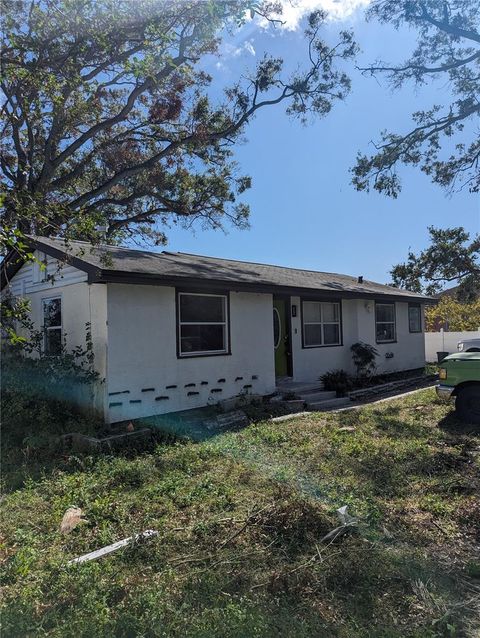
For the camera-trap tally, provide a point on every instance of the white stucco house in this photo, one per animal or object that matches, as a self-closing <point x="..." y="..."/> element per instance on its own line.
<point x="173" y="331"/>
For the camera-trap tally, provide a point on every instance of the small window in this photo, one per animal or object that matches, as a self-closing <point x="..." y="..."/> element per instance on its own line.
<point x="385" y="322"/>
<point x="414" y="318"/>
<point x="202" y="324"/>
<point x="52" y="326"/>
<point x="321" y="324"/>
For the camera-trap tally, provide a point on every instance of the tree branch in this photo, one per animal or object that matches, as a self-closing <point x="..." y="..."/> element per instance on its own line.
<point x="110" y="122"/>
<point x="446" y="26"/>
<point x="421" y="68"/>
<point x="116" y="224"/>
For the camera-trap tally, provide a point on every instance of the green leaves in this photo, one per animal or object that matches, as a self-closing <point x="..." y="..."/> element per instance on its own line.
<point x="451" y="257"/>
<point x="452" y="314"/>
<point x="110" y="120"/>
<point x="448" y="49"/>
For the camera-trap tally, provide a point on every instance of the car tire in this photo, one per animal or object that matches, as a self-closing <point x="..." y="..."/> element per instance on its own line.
<point x="467" y="404"/>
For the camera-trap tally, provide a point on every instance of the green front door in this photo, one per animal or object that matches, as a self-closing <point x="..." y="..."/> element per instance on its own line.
<point x="280" y="337"/>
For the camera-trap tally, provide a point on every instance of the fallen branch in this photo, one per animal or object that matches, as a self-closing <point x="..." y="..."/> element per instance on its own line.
<point x="439" y="528"/>
<point x="191" y="558"/>
<point x="337" y="532"/>
<point x="104" y="551"/>
<point x="348" y="522"/>
<point x="248" y="521"/>
<point x="312" y="560"/>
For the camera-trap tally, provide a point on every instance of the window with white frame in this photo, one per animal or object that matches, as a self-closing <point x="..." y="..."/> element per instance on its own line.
<point x="202" y="324"/>
<point x="414" y="318"/>
<point x="321" y="324"/>
<point x="385" y="328"/>
<point x="52" y="326"/>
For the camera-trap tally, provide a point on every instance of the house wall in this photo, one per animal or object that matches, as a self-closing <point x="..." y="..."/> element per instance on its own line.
<point x="409" y="348"/>
<point x="82" y="303"/>
<point x="30" y="278"/>
<point x="358" y="324"/>
<point x="142" y="353"/>
<point x="134" y="336"/>
<point x="310" y="363"/>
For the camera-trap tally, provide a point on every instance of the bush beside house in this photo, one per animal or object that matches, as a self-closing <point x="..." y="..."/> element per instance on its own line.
<point x="41" y="396"/>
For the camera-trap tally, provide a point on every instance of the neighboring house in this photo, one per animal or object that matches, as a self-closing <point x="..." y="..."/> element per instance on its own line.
<point x="455" y="292"/>
<point x="173" y="331"/>
<point x="448" y="292"/>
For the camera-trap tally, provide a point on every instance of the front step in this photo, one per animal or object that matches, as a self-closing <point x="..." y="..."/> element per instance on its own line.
<point x="298" y="387"/>
<point x="314" y="397"/>
<point x="328" y="404"/>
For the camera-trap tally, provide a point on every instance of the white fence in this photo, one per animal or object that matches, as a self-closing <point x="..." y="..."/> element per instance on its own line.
<point x="445" y="342"/>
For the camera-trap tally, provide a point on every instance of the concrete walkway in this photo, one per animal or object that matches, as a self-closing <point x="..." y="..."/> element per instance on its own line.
<point x="289" y="417"/>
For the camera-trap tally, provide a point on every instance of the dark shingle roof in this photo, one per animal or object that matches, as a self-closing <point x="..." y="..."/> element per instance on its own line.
<point x="113" y="262"/>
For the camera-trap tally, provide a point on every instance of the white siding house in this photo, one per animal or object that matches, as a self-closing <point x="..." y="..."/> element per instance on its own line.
<point x="172" y="331"/>
<point x="142" y="353"/>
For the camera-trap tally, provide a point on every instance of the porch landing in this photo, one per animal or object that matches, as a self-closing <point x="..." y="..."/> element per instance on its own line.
<point x="287" y="384"/>
<point x="311" y="393"/>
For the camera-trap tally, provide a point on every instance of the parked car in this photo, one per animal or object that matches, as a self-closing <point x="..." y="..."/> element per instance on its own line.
<point x="459" y="378"/>
<point x="469" y="345"/>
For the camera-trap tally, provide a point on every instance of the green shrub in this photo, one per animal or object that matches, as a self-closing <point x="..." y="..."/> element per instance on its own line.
<point x="364" y="356"/>
<point x="338" y="380"/>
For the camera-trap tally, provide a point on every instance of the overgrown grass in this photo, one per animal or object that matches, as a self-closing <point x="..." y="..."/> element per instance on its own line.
<point x="240" y="517"/>
<point x="37" y="408"/>
<point x="31" y="430"/>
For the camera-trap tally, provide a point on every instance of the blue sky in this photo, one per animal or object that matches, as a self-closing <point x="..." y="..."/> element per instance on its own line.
<point x="304" y="211"/>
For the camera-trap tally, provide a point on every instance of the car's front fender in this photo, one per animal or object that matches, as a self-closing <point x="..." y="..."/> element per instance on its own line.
<point x="444" y="391"/>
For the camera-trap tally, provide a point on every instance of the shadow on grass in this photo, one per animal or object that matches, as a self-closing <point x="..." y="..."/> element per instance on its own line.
<point x="451" y="424"/>
<point x="32" y="453"/>
<point x="184" y="425"/>
<point x="395" y="447"/>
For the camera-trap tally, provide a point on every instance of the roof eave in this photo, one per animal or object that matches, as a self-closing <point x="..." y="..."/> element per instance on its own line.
<point x="115" y="276"/>
<point x="11" y="264"/>
<point x="14" y="260"/>
<point x="96" y="274"/>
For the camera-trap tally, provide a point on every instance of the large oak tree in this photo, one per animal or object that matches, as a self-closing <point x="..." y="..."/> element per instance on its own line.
<point x="444" y="140"/>
<point x="109" y="119"/>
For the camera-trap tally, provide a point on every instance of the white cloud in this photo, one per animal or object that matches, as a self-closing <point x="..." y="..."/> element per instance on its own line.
<point x="295" y="10"/>
<point x="248" y="46"/>
<point x="232" y="50"/>
<point x="292" y="14"/>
